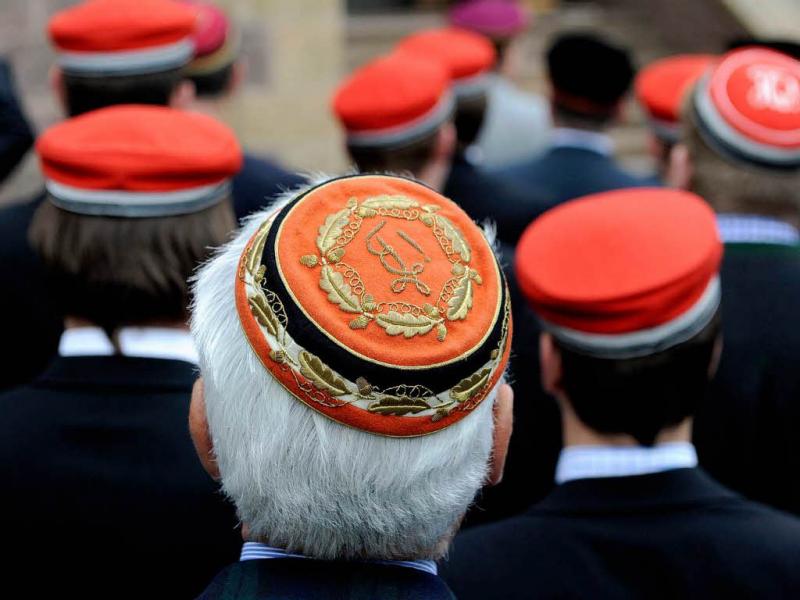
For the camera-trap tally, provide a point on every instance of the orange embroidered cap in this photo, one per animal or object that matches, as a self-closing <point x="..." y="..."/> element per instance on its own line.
<point x="467" y="56"/>
<point x="138" y="161"/>
<point x="122" y="37"/>
<point x="393" y="100"/>
<point x="661" y="87"/>
<point x="216" y="44"/>
<point x="748" y="108"/>
<point x="377" y="302"/>
<point x="624" y="273"/>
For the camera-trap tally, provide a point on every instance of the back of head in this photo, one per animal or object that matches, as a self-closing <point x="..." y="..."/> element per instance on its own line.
<point x="589" y="77"/>
<point x="392" y="110"/>
<point x="121" y="51"/>
<point x="136" y="197"/>
<point x="626" y="284"/>
<point x="216" y="50"/>
<point x="742" y="132"/>
<point x="469" y="58"/>
<point x="349" y="387"/>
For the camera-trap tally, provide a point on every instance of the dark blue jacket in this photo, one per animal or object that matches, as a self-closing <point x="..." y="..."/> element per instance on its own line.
<point x="563" y="173"/>
<point x="304" y="579"/>
<point x="677" y="534"/>
<point x="257" y="184"/>
<point x="16" y="135"/>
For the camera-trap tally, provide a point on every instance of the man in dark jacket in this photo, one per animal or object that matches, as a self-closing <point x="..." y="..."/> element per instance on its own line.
<point x="627" y="286"/>
<point x="95" y="452"/>
<point x="16" y="136"/>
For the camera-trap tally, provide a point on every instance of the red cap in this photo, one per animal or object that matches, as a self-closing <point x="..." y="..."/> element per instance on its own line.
<point x="498" y="19"/>
<point x="215" y="46"/>
<point x="749" y="107"/>
<point x="138" y="161"/>
<point x="623" y="273"/>
<point x="468" y="56"/>
<point x="662" y="85"/>
<point x="392" y="100"/>
<point x="123" y="37"/>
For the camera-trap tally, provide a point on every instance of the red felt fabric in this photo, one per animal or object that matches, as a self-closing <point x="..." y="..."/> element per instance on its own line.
<point x="662" y="85"/>
<point x="464" y="53"/>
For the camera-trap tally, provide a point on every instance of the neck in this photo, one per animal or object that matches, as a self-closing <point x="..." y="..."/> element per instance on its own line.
<point x="72" y="322"/>
<point x="211" y="107"/>
<point x="577" y="434"/>
<point x="435" y="174"/>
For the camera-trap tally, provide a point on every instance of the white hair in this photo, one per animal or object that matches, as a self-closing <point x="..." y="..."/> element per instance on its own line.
<point x="303" y="482"/>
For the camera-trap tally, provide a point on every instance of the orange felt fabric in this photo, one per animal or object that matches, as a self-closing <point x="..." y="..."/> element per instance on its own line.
<point x="140" y="149"/>
<point x="619" y="261"/>
<point x="662" y="85"/>
<point x="757" y="92"/>
<point x="389" y="91"/>
<point x="464" y="53"/>
<point x="118" y="25"/>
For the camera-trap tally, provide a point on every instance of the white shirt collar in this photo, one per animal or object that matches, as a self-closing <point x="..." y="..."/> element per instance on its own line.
<point x="565" y="137"/>
<point x="589" y="462"/>
<point x="755" y="229"/>
<point x="141" y="342"/>
<point x="258" y="551"/>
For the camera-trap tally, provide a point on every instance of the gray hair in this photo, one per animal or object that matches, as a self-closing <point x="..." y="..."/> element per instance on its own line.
<point x="306" y="483"/>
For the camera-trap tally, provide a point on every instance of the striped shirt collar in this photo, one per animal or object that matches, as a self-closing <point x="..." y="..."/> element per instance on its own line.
<point x="142" y="342"/>
<point x="590" y="462"/>
<point x="754" y="229"/>
<point x="259" y="551"/>
<point x="565" y="137"/>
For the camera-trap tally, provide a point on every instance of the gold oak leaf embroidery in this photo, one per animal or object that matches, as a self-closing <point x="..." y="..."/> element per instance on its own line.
<point x="461" y="301"/>
<point x="321" y="376"/>
<point x="389" y="202"/>
<point x="264" y="315"/>
<point x="339" y="292"/>
<point x="460" y="244"/>
<point x="391" y="405"/>
<point x="406" y="324"/>
<point x="331" y="229"/>
<point x="467" y="388"/>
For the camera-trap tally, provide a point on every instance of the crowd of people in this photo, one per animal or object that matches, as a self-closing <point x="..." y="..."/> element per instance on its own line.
<point x="486" y="362"/>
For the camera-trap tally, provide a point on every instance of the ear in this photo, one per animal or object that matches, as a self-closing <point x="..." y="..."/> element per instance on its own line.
<point x="550" y="365"/>
<point x="183" y="95"/>
<point x="679" y="174"/>
<point x="446" y="140"/>
<point x="56" y="80"/>
<point x="238" y="76"/>
<point x="503" y="424"/>
<point x="716" y="354"/>
<point x="198" y="428"/>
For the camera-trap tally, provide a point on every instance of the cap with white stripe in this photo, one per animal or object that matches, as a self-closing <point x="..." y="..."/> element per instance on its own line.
<point x="623" y="274"/>
<point x="104" y="38"/>
<point x="138" y="162"/>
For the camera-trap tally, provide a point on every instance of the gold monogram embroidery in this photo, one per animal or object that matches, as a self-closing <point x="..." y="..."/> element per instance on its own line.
<point x="345" y="288"/>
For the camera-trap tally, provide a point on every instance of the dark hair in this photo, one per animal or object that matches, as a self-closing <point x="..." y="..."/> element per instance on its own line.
<point x="589" y="75"/>
<point x="213" y="83"/>
<point x="411" y="157"/>
<point x="84" y="94"/>
<point x="115" y="272"/>
<point x="788" y="47"/>
<point x="640" y="396"/>
<point x="469" y="119"/>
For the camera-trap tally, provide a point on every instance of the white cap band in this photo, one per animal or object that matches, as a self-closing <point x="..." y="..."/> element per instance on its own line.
<point x="127" y="62"/>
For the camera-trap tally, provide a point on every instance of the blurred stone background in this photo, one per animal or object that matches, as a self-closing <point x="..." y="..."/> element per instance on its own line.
<point x="297" y="50"/>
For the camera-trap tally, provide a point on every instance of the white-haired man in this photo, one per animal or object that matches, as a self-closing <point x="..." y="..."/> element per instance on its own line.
<point x="352" y="345"/>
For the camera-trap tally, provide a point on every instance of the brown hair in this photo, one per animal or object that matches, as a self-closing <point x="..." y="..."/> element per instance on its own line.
<point x="737" y="186"/>
<point x="84" y="94"/>
<point x="411" y="157"/>
<point x="115" y="272"/>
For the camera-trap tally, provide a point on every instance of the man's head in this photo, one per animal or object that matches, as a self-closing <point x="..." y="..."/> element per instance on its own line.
<point x="502" y="21"/>
<point x="136" y="197"/>
<point x="396" y="112"/>
<point x="661" y="88"/>
<point x="215" y="69"/>
<point x="352" y="340"/>
<point x="469" y="59"/>
<point x="122" y="52"/>
<point x="589" y="78"/>
<point x="741" y="145"/>
<point x="626" y="285"/>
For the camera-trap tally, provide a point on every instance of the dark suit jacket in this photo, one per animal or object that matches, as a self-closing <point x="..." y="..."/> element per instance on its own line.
<point x="303" y="579"/>
<point x="564" y="173"/>
<point x="676" y="534"/>
<point x="16" y="136"/>
<point x="484" y="196"/>
<point x="102" y="485"/>
<point x="746" y="432"/>
<point x="257" y="184"/>
<point x="32" y="323"/>
<point x="536" y="440"/>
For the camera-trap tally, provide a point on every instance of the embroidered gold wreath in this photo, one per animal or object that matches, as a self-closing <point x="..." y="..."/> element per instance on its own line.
<point x="345" y="288"/>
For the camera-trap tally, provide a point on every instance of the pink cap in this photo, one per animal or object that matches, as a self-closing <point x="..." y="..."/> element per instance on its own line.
<point x="492" y="18"/>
